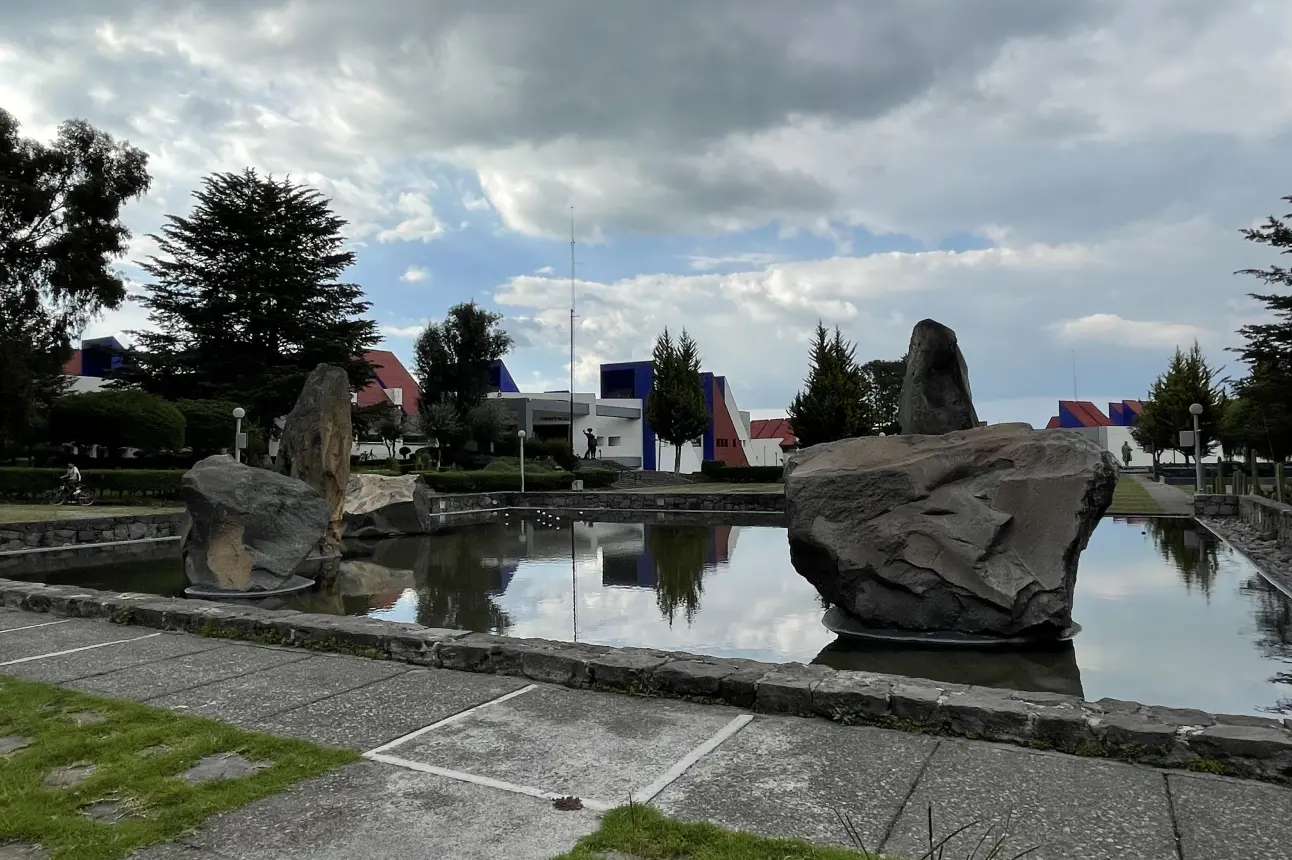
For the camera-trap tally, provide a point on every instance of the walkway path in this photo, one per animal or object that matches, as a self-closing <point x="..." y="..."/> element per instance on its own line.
<point x="1174" y="501"/>
<point x="465" y="765"/>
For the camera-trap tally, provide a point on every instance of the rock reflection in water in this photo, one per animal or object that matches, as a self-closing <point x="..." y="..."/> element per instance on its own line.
<point x="1040" y="670"/>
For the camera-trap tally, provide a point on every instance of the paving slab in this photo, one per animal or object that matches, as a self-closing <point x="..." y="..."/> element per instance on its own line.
<point x="1220" y="817"/>
<point x="572" y="742"/>
<point x="12" y="619"/>
<point x="76" y="633"/>
<point x="1070" y="806"/>
<point x="370" y="811"/>
<point x="369" y="717"/>
<point x="83" y="664"/>
<point x="248" y="699"/>
<point x="786" y="776"/>
<point x="163" y="677"/>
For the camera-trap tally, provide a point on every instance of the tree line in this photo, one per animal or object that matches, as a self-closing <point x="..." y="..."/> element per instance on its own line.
<point x="842" y="398"/>
<point x="1248" y="416"/>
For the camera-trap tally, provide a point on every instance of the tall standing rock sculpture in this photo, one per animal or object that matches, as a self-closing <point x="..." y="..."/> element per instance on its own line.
<point x="935" y="393"/>
<point x="316" y="442"/>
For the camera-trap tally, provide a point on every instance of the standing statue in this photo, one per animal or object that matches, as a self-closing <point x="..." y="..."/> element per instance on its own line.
<point x="592" y="444"/>
<point x="1126" y="452"/>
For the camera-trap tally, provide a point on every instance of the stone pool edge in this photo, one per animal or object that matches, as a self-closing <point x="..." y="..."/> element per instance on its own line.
<point x="1241" y="746"/>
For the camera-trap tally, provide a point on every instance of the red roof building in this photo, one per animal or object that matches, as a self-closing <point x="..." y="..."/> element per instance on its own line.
<point x="774" y="428"/>
<point x="391" y="375"/>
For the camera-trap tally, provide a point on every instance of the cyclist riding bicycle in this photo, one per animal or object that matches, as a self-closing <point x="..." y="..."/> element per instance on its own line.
<point x="72" y="481"/>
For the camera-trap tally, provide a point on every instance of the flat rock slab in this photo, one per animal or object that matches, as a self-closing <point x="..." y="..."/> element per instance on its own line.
<point x="22" y="851"/>
<point x="246" y="700"/>
<point x="12" y="619"/>
<point x="571" y="742"/>
<point x="87" y="718"/>
<point x="76" y="633"/>
<point x="10" y="744"/>
<point x="222" y="766"/>
<point x="786" y="776"/>
<point x="163" y="677"/>
<point x="1221" y="817"/>
<point x="370" y="811"/>
<point x="1070" y="806"/>
<point x="66" y="777"/>
<point x="367" y="718"/>
<point x="105" y="812"/>
<point x="85" y="664"/>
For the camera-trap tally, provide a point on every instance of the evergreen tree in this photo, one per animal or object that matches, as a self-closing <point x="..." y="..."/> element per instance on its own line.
<point x="675" y="407"/>
<point x="440" y="421"/>
<point x="1188" y="379"/>
<point x="884" y="382"/>
<point x="834" y="401"/>
<point x="1263" y="419"/>
<point x="452" y="360"/>
<point x="60" y="229"/>
<point x="246" y="298"/>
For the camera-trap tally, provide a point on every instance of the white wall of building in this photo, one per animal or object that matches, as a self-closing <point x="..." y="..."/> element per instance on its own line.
<point x="764" y="452"/>
<point x="1112" y="438"/>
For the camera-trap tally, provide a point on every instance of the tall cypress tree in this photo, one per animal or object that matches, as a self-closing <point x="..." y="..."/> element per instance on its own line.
<point x="834" y="401"/>
<point x="247" y="299"/>
<point x="675" y="407"/>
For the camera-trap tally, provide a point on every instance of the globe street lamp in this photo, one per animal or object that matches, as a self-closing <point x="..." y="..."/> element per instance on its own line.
<point x="1195" y="410"/>
<point x="520" y="434"/>
<point x="239" y="441"/>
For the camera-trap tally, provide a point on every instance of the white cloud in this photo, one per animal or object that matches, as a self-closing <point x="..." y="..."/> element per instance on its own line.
<point x="404" y="332"/>
<point x="420" y="223"/>
<point x="415" y="275"/>
<point x="1112" y="329"/>
<point x="751" y="258"/>
<point x="544" y="270"/>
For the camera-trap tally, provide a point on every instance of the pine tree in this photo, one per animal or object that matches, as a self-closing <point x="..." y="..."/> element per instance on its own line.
<point x="1188" y="379"/>
<point x="834" y="401"/>
<point x="246" y="298"/>
<point x="675" y="407"/>
<point x="884" y="382"/>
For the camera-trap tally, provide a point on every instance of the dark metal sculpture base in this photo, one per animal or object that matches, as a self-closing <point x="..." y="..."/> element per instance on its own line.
<point x="846" y="626"/>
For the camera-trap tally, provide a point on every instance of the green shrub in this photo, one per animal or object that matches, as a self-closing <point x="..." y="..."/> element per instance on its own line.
<point x="717" y="471"/>
<point x="116" y="420"/>
<point x="24" y="483"/>
<point x="497" y="481"/>
<point x="208" y="425"/>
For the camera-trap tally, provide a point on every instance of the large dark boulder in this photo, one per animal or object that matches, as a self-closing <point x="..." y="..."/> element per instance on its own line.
<point x="386" y="506"/>
<point x="249" y="529"/>
<point x="935" y="393"/>
<point x="316" y="441"/>
<point x="974" y="532"/>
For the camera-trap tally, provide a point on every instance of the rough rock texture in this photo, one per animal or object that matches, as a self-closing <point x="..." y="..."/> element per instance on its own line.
<point x="249" y="528"/>
<point x="384" y="505"/>
<point x="977" y="531"/>
<point x="317" y="436"/>
<point x="935" y="393"/>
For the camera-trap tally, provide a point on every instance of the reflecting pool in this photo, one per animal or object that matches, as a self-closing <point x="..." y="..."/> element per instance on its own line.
<point x="1169" y="615"/>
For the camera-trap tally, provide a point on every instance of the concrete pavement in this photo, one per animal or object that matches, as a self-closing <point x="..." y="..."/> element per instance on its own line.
<point x="1174" y="502"/>
<point x="465" y="765"/>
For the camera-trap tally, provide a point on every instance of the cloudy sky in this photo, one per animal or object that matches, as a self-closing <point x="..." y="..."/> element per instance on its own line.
<point x="1061" y="182"/>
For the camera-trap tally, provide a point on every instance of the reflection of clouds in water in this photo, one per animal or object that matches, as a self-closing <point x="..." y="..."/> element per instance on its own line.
<point x="405" y="609"/>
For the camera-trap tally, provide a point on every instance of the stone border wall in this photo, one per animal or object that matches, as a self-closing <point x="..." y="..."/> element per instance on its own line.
<point x="1215" y="505"/>
<point x="1268" y="517"/>
<point x="45" y="559"/>
<point x="1252" y="747"/>
<point x="23" y="536"/>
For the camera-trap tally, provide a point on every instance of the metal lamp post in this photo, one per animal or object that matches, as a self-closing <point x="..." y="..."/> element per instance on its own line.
<point x="520" y="434"/>
<point x="1195" y="410"/>
<point x="239" y="441"/>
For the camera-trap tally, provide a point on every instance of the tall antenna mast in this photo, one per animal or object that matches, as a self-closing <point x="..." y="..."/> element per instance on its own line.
<point x="1074" y="374"/>
<point x="573" y="448"/>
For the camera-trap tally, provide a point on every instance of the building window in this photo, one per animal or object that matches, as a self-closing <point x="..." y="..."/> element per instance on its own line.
<point x="614" y="441"/>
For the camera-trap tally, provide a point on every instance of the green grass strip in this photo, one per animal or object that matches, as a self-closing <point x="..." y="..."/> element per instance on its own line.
<point x="1130" y="497"/>
<point x="139" y="753"/>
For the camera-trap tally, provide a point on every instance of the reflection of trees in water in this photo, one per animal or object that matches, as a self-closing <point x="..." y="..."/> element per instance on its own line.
<point x="681" y="554"/>
<point x="1272" y="612"/>
<point x="457" y="575"/>
<point x="1190" y="551"/>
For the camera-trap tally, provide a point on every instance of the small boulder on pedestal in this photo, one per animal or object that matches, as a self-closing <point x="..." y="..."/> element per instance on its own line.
<point x="316" y="441"/>
<point x="385" y="506"/>
<point x="935" y="393"/>
<point x="249" y="529"/>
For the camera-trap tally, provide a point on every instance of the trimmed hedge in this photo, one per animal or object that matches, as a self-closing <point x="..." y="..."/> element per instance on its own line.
<point x="27" y="483"/>
<point x="500" y="482"/>
<point x="719" y="472"/>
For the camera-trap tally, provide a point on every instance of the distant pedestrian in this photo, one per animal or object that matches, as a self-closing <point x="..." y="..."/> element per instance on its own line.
<point x="592" y="444"/>
<point x="1126" y="452"/>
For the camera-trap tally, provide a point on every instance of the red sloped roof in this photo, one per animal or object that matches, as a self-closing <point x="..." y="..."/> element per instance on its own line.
<point x="391" y="373"/>
<point x="1054" y="423"/>
<point x="72" y="367"/>
<point x="1086" y="412"/>
<point x="773" y="428"/>
<point x="1135" y="406"/>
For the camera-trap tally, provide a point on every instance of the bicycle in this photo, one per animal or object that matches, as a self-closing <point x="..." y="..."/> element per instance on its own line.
<point x="83" y="497"/>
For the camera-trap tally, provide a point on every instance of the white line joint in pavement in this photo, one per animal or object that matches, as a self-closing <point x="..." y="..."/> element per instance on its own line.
<point x="77" y="650"/>
<point x="647" y="794"/>
<point x="34" y="626"/>
<point x="594" y="805"/>
<point x="461" y="715"/>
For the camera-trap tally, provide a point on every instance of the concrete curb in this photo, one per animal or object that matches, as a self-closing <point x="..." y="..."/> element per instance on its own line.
<point x="1250" y="747"/>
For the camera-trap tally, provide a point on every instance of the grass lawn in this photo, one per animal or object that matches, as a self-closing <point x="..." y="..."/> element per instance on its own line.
<point x="140" y="755"/>
<point x="41" y="513"/>
<point x="1130" y="497"/>
<point x="643" y="833"/>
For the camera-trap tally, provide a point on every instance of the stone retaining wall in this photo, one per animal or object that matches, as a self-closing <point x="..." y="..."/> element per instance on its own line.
<point x="608" y="500"/>
<point x="1215" y="505"/>
<point x="20" y="536"/>
<point x="1269" y="518"/>
<point x="1244" y="746"/>
<point x="45" y="559"/>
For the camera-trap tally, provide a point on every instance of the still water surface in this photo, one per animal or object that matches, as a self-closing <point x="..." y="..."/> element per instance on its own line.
<point x="1170" y="617"/>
